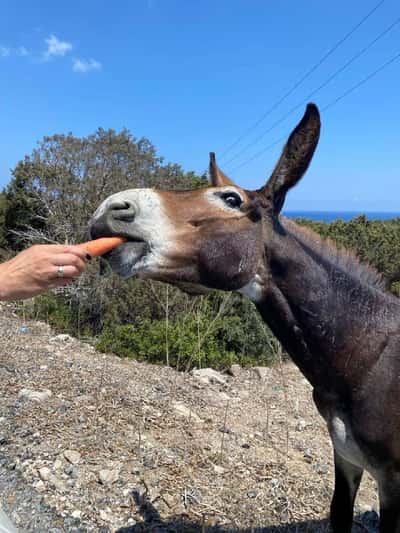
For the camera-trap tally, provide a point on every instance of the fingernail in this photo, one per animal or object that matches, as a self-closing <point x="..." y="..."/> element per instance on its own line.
<point x="88" y="257"/>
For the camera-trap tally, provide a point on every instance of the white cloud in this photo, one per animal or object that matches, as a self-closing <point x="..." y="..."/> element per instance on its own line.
<point x="7" y="51"/>
<point x="89" y="65"/>
<point x="22" y="51"/>
<point x="4" y="51"/>
<point x="56" y="47"/>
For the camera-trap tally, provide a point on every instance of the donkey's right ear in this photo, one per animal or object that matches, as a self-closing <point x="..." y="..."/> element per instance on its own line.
<point x="295" y="158"/>
<point x="217" y="177"/>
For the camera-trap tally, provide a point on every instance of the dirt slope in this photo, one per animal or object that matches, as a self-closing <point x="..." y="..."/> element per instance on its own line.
<point x="156" y="450"/>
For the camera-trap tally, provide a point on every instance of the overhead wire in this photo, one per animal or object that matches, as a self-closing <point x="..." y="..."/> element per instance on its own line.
<point x="324" y="108"/>
<point x="316" y="90"/>
<point x="302" y="79"/>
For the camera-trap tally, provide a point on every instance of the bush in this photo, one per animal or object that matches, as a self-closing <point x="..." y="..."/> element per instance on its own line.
<point x="193" y="340"/>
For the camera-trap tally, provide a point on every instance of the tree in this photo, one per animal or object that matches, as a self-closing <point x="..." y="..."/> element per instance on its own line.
<point x="56" y="189"/>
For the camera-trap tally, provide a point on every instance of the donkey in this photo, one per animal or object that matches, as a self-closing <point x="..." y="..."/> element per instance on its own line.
<point x="330" y="312"/>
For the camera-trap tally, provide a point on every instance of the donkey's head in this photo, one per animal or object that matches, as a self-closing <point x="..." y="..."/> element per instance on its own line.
<point x="214" y="237"/>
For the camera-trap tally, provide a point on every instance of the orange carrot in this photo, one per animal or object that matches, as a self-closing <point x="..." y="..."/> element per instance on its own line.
<point x="101" y="246"/>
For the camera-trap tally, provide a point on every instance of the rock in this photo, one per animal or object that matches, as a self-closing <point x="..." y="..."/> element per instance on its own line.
<point x="58" y="484"/>
<point x="209" y="376"/>
<point x="45" y="473"/>
<point x="364" y="508"/>
<point x="39" y="486"/>
<point x="262" y="372"/>
<point x="218" y="469"/>
<point x="62" y="337"/>
<point x="72" y="471"/>
<point x="104" y="516"/>
<point x="252" y="494"/>
<point x="235" y="370"/>
<point x="108" y="477"/>
<point x="72" y="456"/>
<point x="181" y="410"/>
<point x="301" y="425"/>
<point x="308" y="455"/>
<point x="76" y="513"/>
<point x="321" y="468"/>
<point x="34" y="395"/>
<point x="57" y="464"/>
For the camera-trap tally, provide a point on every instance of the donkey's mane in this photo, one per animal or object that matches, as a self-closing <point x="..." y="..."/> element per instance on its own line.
<point x="340" y="257"/>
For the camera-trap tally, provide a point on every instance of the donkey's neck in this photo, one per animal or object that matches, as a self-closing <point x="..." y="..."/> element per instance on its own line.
<point x="322" y="304"/>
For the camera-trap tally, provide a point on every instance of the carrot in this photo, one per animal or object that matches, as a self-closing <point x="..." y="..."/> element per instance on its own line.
<point x="101" y="246"/>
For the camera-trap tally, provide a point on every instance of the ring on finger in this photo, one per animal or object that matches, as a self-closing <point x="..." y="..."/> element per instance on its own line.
<point x="60" y="271"/>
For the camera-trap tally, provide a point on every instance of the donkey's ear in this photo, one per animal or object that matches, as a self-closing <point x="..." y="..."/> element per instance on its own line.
<point x="217" y="177"/>
<point x="295" y="158"/>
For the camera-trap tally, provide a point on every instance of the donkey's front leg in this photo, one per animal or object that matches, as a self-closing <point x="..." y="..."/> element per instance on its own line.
<point x="347" y="481"/>
<point x="389" y="502"/>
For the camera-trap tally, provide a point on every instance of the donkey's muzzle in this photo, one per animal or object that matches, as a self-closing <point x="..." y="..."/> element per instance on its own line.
<point x="122" y="210"/>
<point x="113" y="220"/>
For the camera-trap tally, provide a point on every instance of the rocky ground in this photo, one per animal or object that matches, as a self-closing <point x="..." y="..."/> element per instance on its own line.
<point x="93" y="443"/>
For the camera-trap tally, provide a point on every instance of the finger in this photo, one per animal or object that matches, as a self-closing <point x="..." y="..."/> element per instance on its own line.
<point x="64" y="249"/>
<point x="70" y="260"/>
<point x="67" y="272"/>
<point x="77" y="250"/>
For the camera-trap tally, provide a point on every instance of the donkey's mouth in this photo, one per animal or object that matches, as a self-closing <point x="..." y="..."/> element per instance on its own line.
<point x="128" y="259"/>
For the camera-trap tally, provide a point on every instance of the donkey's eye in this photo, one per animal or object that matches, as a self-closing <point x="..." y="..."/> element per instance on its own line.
<point x="232" y="199"/>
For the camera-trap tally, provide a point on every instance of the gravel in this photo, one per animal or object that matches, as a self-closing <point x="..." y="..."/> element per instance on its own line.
<point x="109" y="450"/>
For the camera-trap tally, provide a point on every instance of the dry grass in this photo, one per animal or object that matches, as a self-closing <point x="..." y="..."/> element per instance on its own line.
<point x="259" y="459"/>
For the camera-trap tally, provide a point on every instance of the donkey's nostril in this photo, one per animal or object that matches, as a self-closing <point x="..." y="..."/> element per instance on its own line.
<point x="123" y="210"/>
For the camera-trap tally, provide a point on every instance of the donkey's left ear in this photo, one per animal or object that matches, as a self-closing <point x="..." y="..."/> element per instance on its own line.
<point x="217" y="177"/>
<point x="295" y="158"/>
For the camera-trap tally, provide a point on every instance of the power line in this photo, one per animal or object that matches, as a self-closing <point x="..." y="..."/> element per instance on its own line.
<point x="312" y="93"/>
<point x="303" y="78"/>
<point x="328" y="106"/>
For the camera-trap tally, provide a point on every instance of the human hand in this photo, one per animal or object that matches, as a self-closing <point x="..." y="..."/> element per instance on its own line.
<point x="36" y="269"/>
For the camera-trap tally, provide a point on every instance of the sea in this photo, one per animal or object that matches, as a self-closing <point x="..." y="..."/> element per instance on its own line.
<point x="330" y="216"/>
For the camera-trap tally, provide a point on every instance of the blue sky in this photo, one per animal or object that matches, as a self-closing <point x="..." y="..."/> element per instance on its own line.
<point x="194" y="76"/>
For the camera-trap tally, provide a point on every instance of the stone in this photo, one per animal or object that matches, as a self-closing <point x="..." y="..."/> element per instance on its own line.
<point x="183" y="411"/>
<point x="209" y="376"/>
<point x="321" y="468"/>
<point x="45" y="473"/>
<point x="34" y="395"/>
<point x="76" y="513"/>
<point x="62" y="337"/>
<point x="39" y="486"/>
<point x="72" y="471"/>
<point x="72" y="456"/>
<point x="308" y="455"/>
<point x="219" y="469"/>
<point x="104" y="516"/>
<point x="262" y="372"/>
<point x="57" y="464"/>
<point x="235" y="370"/>
<point x="108" y="477"/>
<point x="301" y="425"/>
<point x="58" y="484"/>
